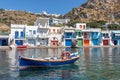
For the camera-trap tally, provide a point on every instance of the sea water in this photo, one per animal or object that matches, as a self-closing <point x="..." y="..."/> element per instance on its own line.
<point x="94" y="64"/>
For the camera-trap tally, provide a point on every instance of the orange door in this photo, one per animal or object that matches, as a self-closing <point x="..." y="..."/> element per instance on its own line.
<point x="86" y="42"/>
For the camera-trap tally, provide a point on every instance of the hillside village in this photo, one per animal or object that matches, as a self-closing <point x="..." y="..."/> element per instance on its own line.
<point x="94" y="13"/>
<point x="45" y="33"/>
<point x="91" y="24"/>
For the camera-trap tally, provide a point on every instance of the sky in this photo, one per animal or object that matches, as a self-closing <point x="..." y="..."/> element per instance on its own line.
<point x="37" y="6"/>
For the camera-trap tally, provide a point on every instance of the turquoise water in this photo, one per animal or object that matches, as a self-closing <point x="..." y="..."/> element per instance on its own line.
<point x="94" y="64"/>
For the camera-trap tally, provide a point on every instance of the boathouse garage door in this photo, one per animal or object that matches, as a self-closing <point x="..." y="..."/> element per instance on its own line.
<point x="105" y="42"/>
<point x="86" y="43"/>
<point x="115" y="42"/>
<point x="19" y="42"/>
<point x="68" y="42"/>
<point x="31" y="41"/>
<point x="95" y="42"/>
<point x="80" y="42"/>
<point x="4" y="42"/>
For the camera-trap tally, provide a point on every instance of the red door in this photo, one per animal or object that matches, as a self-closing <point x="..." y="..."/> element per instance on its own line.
<point x="105" y="42"/>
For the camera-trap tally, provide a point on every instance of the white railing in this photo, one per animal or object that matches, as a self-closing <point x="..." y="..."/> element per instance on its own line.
<point x="43" y="35"/>
<point x="31" y="36"/>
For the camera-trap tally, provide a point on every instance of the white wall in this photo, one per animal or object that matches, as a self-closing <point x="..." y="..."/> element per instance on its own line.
<point x="16" y="27"/>
<point x="31" y="28"/>
<point x="82" y="24"/>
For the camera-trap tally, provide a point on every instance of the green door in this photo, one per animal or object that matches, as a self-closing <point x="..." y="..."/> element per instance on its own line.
<point x="80" y="42"/>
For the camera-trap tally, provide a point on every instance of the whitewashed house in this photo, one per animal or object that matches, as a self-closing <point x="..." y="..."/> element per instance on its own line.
<point x="55" y="36"/>
<point x="80" y="26"/>
<point x="18" y="33"/>
<point x="55" y="21"/>
<point x="79" y="33"/>
<point x="31" y="35"/>
<point x="106" y="38"/>
<point x="42" y="31"/>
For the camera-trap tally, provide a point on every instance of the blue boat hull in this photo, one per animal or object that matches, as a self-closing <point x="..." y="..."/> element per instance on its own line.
<point x="27" y="62"/>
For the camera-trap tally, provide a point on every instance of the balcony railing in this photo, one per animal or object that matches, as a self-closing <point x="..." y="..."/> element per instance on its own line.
<point x="95" y="36"/>
<point x="43" y="35"/>
<point x="19" y="37"/>
<point x="79" y="36"/>
<point x="87" y="36"/>
<point x="31" y="36"/>
<point x="69" y="36"/>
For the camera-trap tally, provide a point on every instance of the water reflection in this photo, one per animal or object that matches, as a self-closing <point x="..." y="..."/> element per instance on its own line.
<point x="13" y="58"/>
<point x="62" y="73"/>
<point x="96" y="54"/>
<point x="94" y="64"/>
<point x="116" y="57"/>
<point x="86" y="54"/>
<point x="3" y="62"/>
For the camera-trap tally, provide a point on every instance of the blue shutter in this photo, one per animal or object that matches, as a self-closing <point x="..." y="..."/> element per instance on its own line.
<point x="22" y="34"/>
<point x="16" y="34"/>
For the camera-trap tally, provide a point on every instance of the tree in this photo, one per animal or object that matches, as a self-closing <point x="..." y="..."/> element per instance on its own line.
<point x="97" y="24"/>
<point x="114" y="27"/>
<point x="72" y="23"/>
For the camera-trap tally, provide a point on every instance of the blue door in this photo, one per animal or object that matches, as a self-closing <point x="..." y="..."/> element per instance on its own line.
<point x="19" y="42"/>
<point x="68" y="42"/>
<point x="22" y="34"/>
<point x="16" y="34"/>
<point x="95" y="41"/>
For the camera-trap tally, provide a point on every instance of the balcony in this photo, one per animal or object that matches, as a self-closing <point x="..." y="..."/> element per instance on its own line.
<point x="87" y="36"/>
<point x="43" y="36"/>
<point x="95" y="37"/>
<point x="69" y="36"/>
<point x="20" y="37"/>
<point x="79" y="36"/>
<point x="31" y="36"/>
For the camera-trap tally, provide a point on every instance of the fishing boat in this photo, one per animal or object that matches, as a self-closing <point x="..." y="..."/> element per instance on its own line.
<point x="65" y="59"/>
<point x="22" y="47"/>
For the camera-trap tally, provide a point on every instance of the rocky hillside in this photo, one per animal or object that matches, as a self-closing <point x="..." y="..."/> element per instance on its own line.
<point x="4" y="28"/>
<point x="8" y="17"/>
<point x="17" y="17"/>
<point x="92" y="10"/>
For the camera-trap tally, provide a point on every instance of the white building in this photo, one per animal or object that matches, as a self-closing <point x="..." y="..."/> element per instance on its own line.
<point x="55" y="36"/>
<point x="18" y="33"/>
<point x="31" y="35"/>
<point x="80" y="26"/>
<point x="42" y="31"/>
<point x="55" y="21"/>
